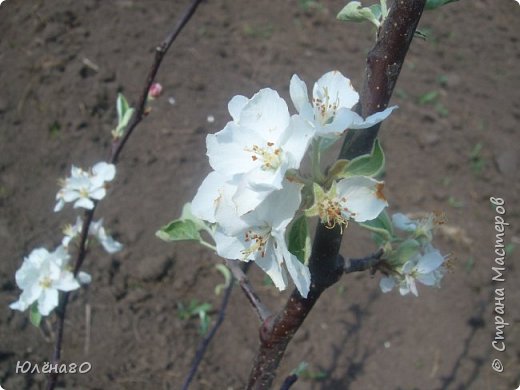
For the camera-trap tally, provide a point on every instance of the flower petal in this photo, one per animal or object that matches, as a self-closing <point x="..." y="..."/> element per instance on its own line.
<point x="430" y="262"/>
<point x="235" y="106"/>
<point x="387" y="283"/>
<point x="300" y="98"/>
<point x="363" y="197"/>
<point x="338" y="88"/>
<point x="372" y="119"/>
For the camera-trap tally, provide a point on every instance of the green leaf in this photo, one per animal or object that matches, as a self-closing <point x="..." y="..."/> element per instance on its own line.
<point x="186" y="214"/>
<point x="367" y="165"/>
<point x="122" y="107"/>
<point x="299" y="240"/>
<point x="433" y="4"/>
<point x="376" y="11"/>
<point x="34" y="315"/>
<point x="227" y="278"/>
<point x="179" y="230"/>
<point x="381" y="226"/>
<point x="355" y="12"/>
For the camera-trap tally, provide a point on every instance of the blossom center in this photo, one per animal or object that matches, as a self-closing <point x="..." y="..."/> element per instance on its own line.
<point x="332" y="212"/>
<point x="270" y="156"/>
<point x="258" y="240"/>
<point x="46" y="282"/>
<point x="325" y="108"/>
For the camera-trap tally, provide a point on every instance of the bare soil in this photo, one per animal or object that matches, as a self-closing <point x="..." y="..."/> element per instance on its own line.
<point x="62" y="63"/>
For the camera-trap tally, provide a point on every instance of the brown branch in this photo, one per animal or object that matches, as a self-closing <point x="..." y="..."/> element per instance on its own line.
<point x="364" y="263"/>
<point x="204" y="344"/>
<point x="261" y="310"/>
<point x="117" y="147"/>
<point x="384" y="63"/>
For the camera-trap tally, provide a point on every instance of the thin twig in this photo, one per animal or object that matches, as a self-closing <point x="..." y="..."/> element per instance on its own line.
<point x="160" y="51"/>
<point x="117" y="147"/>
<point x="364" y="263"/>
<point x="204" y="344"/>
<point x="289" y="381"/>
<point x="262" y="310"/>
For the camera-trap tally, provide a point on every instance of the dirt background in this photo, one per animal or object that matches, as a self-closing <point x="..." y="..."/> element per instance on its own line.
<point x="56" y="110"/>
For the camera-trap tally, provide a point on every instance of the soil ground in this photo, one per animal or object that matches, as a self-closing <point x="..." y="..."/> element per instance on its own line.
<point x="452" y="144"/>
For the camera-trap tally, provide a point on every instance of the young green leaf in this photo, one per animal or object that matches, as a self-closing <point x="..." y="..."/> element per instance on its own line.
<point x="34" y="316"/>
<point x="355" y="12"/>
<point x="227" y="278"/>
<point x="179" y="230"/>
<point x="367" y="165"/>
<point x="381" y="226"/>
<point x="299" y="240"/>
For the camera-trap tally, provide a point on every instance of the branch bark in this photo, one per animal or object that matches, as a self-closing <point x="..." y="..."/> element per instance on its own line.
<point x="384" y="63"/>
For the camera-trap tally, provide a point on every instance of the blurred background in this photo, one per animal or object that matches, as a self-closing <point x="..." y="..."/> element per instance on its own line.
<point x="452" y="144"/>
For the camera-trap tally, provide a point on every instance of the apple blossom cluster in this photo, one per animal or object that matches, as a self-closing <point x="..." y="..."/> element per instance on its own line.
<point x="43" y="274"/>
<point x="250" y="200"/>
<point x="413" y="258"/>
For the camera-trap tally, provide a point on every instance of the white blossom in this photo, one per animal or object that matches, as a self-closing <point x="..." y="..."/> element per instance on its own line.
<point x="41" y="276"/>
<point x="258" y="147"/>
<point x="427" y="269"/>
<point x="96" y="230"/>
<point x="83" y="187"/>
<point x="330" y="110"/>
<point x="359" y="198"/>
<point x="260" y="236"/>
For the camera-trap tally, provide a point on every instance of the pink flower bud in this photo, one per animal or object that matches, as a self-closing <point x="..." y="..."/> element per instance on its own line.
<point x="155" y="90"/>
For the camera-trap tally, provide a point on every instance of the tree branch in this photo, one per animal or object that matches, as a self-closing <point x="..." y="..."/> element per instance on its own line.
<point x="204" y="344"/>
<point x="117" y="147"/>
<point x="384" y="63"/>
<point x="364" y="263"/>
<point x="261" y="310"/>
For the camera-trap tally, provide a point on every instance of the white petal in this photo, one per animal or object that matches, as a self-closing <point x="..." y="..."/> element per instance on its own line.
<point x="59" y="205"/>
<point x="212" y="192"/>
<point x="227" y="152"/>
<point x="342" y="121"/>
<point x="372" y="119"/>
<point x="428" y="279"/>
<point x="47" y="301"/>
<point x="279" y="208"/>
<point x="338" y="87"/>
<point x="97" y="193"/>
<point x="111" y="245"/>
<point x="230" y="247"/>
<point x="19" y="305"/>
<point x="299" y="272"/>
<point x="267" y="114"/>
<point x="67" y="282"/>
<point x="86" y="203"/>
<point x="364" y="198"/>
<point x="386" y="284"/>
<point x="300" y="98"/>
<point x="430" y="262"/>
<point x="295" y="140"/>
<point x="103" y="171"/>
<point x="235" y="106"/>
<point x="402" y="222"/>
<point x="84" y="278"/>
<point x="272" y="267"/>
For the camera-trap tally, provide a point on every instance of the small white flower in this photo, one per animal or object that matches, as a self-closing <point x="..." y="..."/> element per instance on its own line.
<point x="41" y="276"/>
<point x="427" y="269"/>
<point x="333" y="97"/>
<point x="257" y="148"/>
<point x="83" y="187"/>
<point x="97" y="230"/>
<point x="260" y="236"/>
<point x="359" y="198"/>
